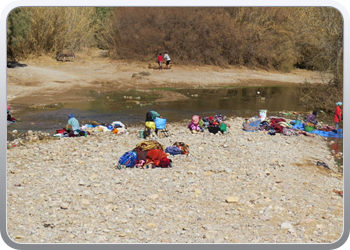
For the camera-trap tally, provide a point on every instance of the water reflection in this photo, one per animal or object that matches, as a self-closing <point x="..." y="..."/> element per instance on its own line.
<point x="113" y="106"/>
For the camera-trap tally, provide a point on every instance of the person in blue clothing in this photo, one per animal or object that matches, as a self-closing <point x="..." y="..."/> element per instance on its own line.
<point x="73" y="123"/>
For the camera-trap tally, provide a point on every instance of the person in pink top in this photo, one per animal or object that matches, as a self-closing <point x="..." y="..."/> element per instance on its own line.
<point x="337" y="115"/>
<point x="160" y="61"/>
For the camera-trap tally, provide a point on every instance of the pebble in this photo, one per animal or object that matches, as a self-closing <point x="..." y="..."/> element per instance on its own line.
<point x="228" y="189"/>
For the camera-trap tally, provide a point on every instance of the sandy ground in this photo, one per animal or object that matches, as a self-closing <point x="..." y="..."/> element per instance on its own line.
<point x="44" y="81"/>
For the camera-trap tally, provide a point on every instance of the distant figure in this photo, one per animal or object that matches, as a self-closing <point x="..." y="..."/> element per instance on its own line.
<point x="167" y="60"/>
<point x="312" y="118"/>
<point x="8" y="116"/>
<point x="337" y="115"/>
<point x="73" y="123"/>
<point x="160" y="61"/>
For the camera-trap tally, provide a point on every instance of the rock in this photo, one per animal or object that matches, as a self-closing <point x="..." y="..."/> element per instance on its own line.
<point x="64" y="206"/>
<point x="232" y="199"/>
<point x="85" y="198"/>
<point x="85" y="202"/>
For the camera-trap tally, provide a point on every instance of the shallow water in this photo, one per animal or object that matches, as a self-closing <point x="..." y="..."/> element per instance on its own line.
<point x="115" y="106"/>
<point x="109" y="107"/>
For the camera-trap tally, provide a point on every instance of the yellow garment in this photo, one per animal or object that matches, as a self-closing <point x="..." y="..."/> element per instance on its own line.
<point x="151" y="125"/>
<point x="148" y="145"/>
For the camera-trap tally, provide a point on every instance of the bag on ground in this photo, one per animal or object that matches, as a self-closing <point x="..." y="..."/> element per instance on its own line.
<point x="128" y="159"/>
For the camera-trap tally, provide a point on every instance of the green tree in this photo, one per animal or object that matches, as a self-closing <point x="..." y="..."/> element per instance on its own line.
<point x="18" y="27"/>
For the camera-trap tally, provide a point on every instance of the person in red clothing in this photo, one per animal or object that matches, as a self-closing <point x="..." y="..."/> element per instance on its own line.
<point x="337" y="116"/>
<point x="160" y="61"/>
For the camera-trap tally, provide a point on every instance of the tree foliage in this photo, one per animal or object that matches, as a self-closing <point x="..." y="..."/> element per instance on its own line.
<point x="53" y="29"/>
<point x="278" y="38"/>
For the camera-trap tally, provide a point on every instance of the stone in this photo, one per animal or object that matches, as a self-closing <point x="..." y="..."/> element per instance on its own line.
<point x="232" y="199"/>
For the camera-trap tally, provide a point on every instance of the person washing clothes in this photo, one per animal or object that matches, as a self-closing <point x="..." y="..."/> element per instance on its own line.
<point x="72" y="124"/>
<point x="149" y="122"/>
<point x="337" y="116"/>
<point x="312" y="118"/>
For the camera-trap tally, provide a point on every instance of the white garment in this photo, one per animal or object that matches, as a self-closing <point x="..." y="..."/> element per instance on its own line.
<point x="166" y="57"/>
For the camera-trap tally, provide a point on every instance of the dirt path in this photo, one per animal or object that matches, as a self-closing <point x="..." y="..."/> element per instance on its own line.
<point x="46" y="81"/>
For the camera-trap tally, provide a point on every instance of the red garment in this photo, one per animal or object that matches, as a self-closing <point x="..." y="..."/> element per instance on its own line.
<point x="160" y="58"/>
<point x="276" y="120"/>
<point x="337" y="114"/>
<point x="164" y="163"/>
<point x="155" y="155"/>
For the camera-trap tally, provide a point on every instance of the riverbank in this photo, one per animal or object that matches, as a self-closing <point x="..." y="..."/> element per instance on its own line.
<point x="45" y="81"/>
<point x="240" y="187"/>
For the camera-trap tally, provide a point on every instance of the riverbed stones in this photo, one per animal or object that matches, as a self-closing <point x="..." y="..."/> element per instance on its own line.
<point x="215" y="194"/>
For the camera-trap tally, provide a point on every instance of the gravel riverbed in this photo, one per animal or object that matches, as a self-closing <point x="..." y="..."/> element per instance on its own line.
<point x="239" y="187"/>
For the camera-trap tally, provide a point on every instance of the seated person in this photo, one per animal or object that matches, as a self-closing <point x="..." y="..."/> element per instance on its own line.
<point x="311" y="118"/>
<point x="149" y="122"/>
<point x="72" y="124"/>
<point x="194" y="125"/>
<point x="8" y="115"/>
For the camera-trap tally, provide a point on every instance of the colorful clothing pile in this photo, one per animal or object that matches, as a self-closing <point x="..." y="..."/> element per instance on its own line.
<point x="151" y="153"/>
<point x="272" y="125"/>
<point x="213" y="124"/>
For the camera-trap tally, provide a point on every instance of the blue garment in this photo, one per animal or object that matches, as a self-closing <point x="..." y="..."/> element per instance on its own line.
<point x="173" y="150"/>
<point x="339" y="133"/>
<point x="74" y="122"/>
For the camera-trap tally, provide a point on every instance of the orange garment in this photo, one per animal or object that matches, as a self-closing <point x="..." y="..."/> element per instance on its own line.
<point x="155" y="155"/>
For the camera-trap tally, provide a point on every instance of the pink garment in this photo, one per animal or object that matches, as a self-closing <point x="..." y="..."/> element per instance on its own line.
<point x="194" y="127"/>
<point x="8" y="107"/>
<point x="195" y="119"/>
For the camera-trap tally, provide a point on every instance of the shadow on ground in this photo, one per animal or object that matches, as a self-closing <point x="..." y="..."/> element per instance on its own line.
<point x="14" y="64"/>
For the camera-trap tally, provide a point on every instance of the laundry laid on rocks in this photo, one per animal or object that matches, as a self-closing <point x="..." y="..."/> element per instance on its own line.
<point x="151" y="154"/>
<point x="115" y="127"/>
<point x="325" y="131"/>
<point x="274" y="125"/>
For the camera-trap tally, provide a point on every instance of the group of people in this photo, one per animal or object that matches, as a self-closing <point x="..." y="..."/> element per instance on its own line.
<point x="162" y="58"/>
<point x="312" y="118"/>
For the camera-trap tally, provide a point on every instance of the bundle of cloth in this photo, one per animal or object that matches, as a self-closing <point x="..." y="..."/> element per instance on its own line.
<point x="272" y="125"/>
<point x="151" y="153"/>
<point x="178" y="148"/>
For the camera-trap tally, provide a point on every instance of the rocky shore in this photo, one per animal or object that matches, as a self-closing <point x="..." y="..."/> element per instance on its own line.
<point x="239" y="187"/>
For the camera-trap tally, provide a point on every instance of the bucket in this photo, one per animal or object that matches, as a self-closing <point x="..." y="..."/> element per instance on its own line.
<point x="141" y="134"/>
<point x="262" y="114"/>
<point x="297" y="122"/>
<point x="309" y="128"/>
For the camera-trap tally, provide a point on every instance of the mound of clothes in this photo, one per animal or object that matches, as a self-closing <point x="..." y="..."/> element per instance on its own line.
<point x="280" y="125"/>
<point x="116" y="127"/>
<point x="151" y="154"/>
<point x="213" y="124"/>
<point x="273" y="126"/>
